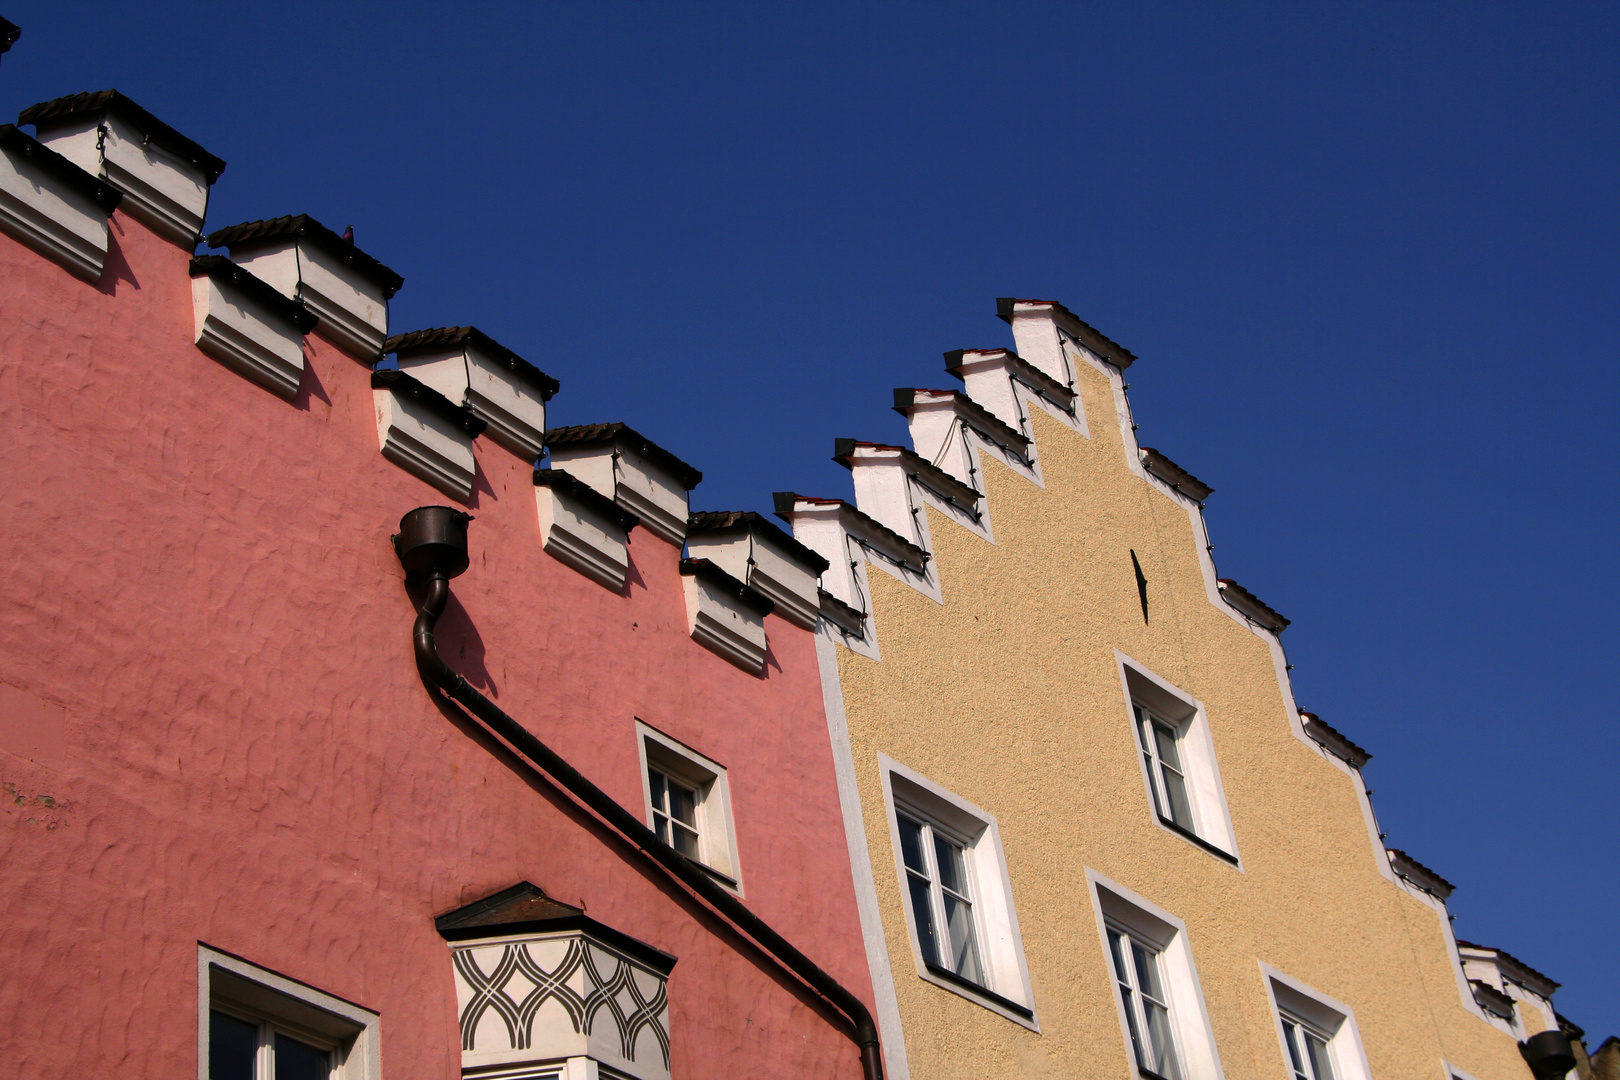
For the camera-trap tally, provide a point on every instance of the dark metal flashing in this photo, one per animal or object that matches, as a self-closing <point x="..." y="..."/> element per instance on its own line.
<point x="849" y="619"/>
<point x="404" y="386"/>
<point x="576" y="489"/>
<point x="251" y="235"/>
<point x="256" y="289"/>
<point x="1492" y="1000"/>
<point x="924" y="472"/>
<point x="62" y="110"/>
<point x="1095" y="340"/>
<point x="586" y="434"/>
<point x="1251" y="606"/>
<point x="906" y="553"/>
<point x="1048" y="387"/>
<point x="705" y="570"/>
<point x="1219" y="853"/>
<point x="525" y="909"/>
<point x="945" y="974"/>
<point x="703" y="521"/>
<point x="91" y="187"/>
<point x="1333" y="741"/>
<point x="451" y="336"/>
<point x="976" y="416"/>
<point x="1174" y="475"/>
<point x="1517" y="970"/>
<point x="1409" y="868"/>
<point x="9" y="33"/>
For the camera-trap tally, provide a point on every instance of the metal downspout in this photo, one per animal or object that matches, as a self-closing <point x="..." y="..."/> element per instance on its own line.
<point x="436" y="671"/>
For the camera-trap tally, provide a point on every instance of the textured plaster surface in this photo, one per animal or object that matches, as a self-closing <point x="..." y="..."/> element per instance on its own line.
<point x="1009" y="695"/>
<point x="201" y="595"/>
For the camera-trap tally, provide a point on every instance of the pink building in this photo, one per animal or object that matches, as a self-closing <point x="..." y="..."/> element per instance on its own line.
<point x="245" y="835"/>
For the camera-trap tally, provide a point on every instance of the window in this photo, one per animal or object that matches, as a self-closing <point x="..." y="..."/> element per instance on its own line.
<point x="1166" y="777"/>
<point x="941" y="907"/>
<point x="258" y="1025"/>
<point x="1147" y="1009"/>
<point x="240" y="1048"/>
<point x="689" y="804"/>
<point x="1318" y="1035"/>
<point x="1149" y="964"/>
<point x="1307" y="1049"/>
<point x="956" y="896"/>
<point x="1178" y="761"/>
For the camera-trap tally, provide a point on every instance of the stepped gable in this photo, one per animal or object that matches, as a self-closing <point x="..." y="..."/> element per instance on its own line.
<point x="64" y="110"/>
<point x="255" y="234"/>
<point x="1040" y="381"/>
<point x="589" y="434"/>
<point x="1252" y="606"/>
<point x="1420" y="875"/>
<point x="721" y="520"/>
<point x="1333" y="740"/>
<point x="406" y="387"/>
<point x="222" y="269"/>
<point x="911" y="553"/>
<point x="994" y="429"/>
<point x="449" y="337"/>
<point x="931" y="477"/>
<point x="93" y="187"/>
<point x="1525" y="973"/>
<point x="1174" y="475"/>
<point x="1099" y="343"/>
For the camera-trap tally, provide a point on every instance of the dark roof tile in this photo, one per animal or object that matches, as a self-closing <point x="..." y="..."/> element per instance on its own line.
<point x="452" y="336"/>
<point x="62" y="110"/>
<point x="255" y="234"/>
<point x="586" y="434"/>
<point x="721" y="520"/>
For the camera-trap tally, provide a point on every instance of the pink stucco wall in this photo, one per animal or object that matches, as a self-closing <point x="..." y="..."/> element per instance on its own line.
<point x="198" y="586"/>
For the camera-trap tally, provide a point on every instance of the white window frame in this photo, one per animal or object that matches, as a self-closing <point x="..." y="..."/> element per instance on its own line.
<point x="1185" y="716"/>
<point x="232" y="985"/>
<point x="1293" y="999"/>
<point x="717" y="834"/>
<point x="1118" y="908"/>
<point x="1006" y="989"/>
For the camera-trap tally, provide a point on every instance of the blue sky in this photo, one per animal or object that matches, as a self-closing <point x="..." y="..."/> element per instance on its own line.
<point x="1366" y="253"/>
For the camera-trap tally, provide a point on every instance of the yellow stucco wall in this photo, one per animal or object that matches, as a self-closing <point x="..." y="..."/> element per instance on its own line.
<point x="1009" y="695"/>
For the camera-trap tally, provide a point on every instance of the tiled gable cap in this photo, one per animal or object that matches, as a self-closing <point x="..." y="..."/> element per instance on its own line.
<point x="253" y="234"/>
<point x="448" y="336"/>
<point x="61" y="110"/>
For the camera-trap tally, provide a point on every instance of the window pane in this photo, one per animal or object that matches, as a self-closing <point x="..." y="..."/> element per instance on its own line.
<point x="1175" y="789"/>
<point x="1147" y="972"/>
<point x="661" y="827"/>
<point x="655" y="781"/>
<point x="964" y="942"/>
<point x="1321" y="1065"/>
<point x="298" y="1061"/>
<point x="1165" y="739"/>
<point x="952" y="874"/>
<point x="1296" y="1056"/>
<point x="1128" y="1000"/>
<point x="1116" y="945"/>
<point x="1153" y="783"/>
<point x="682" y="804"/>
<point x="232" y="1043"/>
<point x="922" y="913"/>
<point x="685" y="841"/>
<point x="911" y="846"/>
<point x="1164" y="1050"/>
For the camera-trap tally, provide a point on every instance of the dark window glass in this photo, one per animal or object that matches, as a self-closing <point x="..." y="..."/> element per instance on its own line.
<point x="232" y="1044"/>
<point x="298" y="1060"/>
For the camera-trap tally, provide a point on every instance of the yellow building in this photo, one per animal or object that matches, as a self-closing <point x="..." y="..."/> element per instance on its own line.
<point x="1094" y="833"/>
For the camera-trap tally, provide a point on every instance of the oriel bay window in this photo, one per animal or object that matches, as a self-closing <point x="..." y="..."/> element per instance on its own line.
<point x="956" y="895"/>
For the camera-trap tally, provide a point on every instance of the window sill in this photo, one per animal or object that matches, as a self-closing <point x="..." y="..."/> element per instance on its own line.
<point x="947" y="975"/>
<point x="1219" y="853"/>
